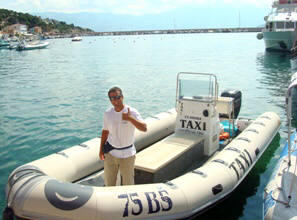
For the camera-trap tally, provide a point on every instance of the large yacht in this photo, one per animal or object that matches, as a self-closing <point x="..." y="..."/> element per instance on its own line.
<point x="281" y="25"/>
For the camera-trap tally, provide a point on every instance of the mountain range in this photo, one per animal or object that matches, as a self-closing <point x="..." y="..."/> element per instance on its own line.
<point x="181" y="18"/>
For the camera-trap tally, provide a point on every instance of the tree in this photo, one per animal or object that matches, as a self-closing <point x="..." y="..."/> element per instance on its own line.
<point x="9" y="17"/>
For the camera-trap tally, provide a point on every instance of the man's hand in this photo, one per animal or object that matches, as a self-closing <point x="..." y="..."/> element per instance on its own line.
<point x="138" y="124"/>
<point x="101" y="155"/>
<point x="104" y="137"/>
<point x="127" y="116"/>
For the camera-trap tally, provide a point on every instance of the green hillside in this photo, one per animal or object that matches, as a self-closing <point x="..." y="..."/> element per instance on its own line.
<point x="9" y="17"/>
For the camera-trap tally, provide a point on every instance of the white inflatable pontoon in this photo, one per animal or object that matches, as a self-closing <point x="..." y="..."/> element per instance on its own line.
<point x="280" y="194"/>
<point x="181" y="166"/>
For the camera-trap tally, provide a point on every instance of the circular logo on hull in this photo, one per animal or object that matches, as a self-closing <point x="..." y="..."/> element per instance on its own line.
<point x="67" y="196"/>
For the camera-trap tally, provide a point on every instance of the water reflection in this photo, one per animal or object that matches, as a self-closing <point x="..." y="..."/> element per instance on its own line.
<point x="275" y="76"/>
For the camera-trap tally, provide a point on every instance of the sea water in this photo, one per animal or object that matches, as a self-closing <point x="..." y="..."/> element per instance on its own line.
<point x="54" y="98"/>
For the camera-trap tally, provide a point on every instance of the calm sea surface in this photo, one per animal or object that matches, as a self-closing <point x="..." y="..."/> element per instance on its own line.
<point x="54" y="98"/>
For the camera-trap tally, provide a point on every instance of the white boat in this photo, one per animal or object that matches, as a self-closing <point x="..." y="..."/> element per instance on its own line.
<point x="23" y="45"/>
<point x="279" y="32"/>
<point x="76" y="39"/>
<point x="293" y="58"/>
<point x="181" y="167"/>
<point x="293" y="62"/>
<point x="280" y="194"/>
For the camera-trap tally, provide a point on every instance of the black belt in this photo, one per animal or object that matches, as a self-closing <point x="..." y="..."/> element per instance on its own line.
<point x="108" y="147"/>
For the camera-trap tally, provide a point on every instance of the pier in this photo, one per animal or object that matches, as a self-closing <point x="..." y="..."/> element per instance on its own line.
<point x="181" y="31"/>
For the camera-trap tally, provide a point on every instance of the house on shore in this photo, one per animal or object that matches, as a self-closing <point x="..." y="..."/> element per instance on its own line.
<point x="16" y="29"/>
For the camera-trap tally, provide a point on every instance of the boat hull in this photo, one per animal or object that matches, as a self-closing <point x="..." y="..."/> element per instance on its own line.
<point x="33" y="47"/>
<point x="293" y="62"/>
<point x="279" y="40"/>
<point x="42" y="190"/>
<point x="278" y="188"/>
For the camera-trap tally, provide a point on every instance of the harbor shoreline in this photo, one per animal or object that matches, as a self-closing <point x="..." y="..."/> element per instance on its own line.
<point x="169" y="31"/>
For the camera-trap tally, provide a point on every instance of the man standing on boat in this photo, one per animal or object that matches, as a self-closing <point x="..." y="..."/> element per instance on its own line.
<point x="117" y="148"/>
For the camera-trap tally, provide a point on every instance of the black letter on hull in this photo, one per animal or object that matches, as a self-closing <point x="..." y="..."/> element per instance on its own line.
<point x="234" y="168"/>
<point x="248" y="155"/>
<point x="244" y="158"/>
<point x="190" y="124"/>
<point x="240" y="164"/>
<point x="197" y="125"/>
<point x="151" y="201"/>
<point x="183" y="123"/>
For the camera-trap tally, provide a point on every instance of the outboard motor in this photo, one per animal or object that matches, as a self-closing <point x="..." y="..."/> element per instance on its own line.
<point x="236" y="94"/>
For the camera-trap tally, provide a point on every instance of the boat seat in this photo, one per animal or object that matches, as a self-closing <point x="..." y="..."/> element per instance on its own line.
<point x="174" y="153"/>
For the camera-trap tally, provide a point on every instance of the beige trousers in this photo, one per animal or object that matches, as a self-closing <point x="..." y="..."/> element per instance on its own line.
<point x="112" y="165"/>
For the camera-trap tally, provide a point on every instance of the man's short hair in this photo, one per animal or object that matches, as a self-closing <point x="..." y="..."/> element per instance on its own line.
<point x="115" y="89"/>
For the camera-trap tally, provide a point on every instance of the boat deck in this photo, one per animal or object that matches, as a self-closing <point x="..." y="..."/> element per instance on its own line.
<point x="97" y="179"/>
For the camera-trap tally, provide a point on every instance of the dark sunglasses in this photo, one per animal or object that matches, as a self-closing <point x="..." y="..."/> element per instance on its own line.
<point x="115" y="97"/>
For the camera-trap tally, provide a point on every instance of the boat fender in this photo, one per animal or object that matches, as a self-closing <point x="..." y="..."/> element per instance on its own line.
<point x="260" y="36"/>
<point x="224" y="136"/>
<point x="7" y="214"/>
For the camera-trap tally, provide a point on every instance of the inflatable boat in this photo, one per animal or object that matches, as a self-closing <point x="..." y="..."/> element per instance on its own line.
<point x="280" y="194"/>
<point x="182" y="167"/>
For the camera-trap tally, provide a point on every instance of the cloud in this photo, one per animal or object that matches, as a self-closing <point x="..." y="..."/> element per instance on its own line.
<point x="135" y="7"/>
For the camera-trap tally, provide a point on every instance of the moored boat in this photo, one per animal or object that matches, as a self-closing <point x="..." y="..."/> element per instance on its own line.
<point x="279" y="31"/>
<point x="76" y="39"/>
<point x="23" y="45"/>
<point x="181" y="166"/>
<point x="4" y="43"/>
<point x="293" y="58"/>
<point x="280" y="194"/>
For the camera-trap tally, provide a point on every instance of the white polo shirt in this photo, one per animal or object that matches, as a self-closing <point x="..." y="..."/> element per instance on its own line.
<point x="121" y="132"/>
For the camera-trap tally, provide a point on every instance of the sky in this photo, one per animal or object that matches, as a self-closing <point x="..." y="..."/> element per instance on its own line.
<point x="113" y="15"/>
<point x="133" y="7"/>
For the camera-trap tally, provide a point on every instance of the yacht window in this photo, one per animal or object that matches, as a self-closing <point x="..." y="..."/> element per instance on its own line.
<point x="290" y="25"/>
<point x="280" y="25"/>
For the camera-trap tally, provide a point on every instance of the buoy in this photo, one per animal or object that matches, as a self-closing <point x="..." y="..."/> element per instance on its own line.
<point x="260" y="36"/>
<point x="7" y="214"/>
<point x="224" y="136"/>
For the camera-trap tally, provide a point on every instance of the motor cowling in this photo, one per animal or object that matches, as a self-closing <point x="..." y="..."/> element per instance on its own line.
<point x="236" y="94"/>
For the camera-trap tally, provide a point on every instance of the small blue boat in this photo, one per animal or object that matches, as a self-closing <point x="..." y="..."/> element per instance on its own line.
<point x="4" y="43"/>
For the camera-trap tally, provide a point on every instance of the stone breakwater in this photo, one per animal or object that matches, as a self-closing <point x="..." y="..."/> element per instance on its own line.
<point x="173" y="31"/>
<point x="182" y="31"/>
